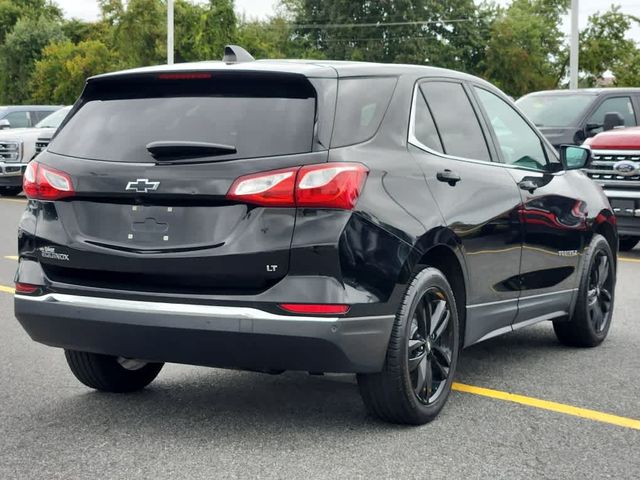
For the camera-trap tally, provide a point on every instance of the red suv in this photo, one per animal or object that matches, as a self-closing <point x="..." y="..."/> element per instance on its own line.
<point x="616" y="167"/>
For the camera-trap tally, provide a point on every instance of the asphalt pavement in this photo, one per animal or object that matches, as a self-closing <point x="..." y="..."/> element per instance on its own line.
<point x="207" y="423"/>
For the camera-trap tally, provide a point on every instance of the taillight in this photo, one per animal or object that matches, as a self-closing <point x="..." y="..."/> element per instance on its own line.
<point x="26" y="288"/>
<point x="329" y="185"/>
<point x="334" y="185"/>
<point x="41" y="182"/>
<point x="315" y="308"/>
<point x="274" y="188"/>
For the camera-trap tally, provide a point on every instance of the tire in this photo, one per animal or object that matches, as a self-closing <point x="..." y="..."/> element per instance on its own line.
<point x="628" y="243"/>
<point x="10" y="191"/>
<point x="591" y="319"/>
<point x="111" y="374"/>
<point x="419" y="350"/>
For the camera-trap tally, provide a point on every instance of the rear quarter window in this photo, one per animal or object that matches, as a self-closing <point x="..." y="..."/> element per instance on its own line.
<point x="362" y="103"/>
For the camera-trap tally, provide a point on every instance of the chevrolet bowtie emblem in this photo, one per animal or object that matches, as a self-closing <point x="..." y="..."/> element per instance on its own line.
<point x="142" y="185"/>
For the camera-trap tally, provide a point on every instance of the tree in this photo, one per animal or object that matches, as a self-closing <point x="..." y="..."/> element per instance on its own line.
<point x="217" y="28"/>
<point x="12" y="10"/>
<point x="270" y="38"/>
<point x="604" y="45"/>
<point x="448" y="34"/>
<point x="22" y="48"/>
<point x="138" y="32"/>
<point x="629" y="74"/>
<point x="526" y="49"/>
<point x="60" y="74"/>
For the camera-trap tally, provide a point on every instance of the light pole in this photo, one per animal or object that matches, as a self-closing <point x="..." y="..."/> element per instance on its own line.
<point x="575" y="44"/>
<point x="170" y="32"/>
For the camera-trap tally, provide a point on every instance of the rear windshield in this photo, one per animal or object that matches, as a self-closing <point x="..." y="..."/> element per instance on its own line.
<point x="555" y="110"/>
<point x="259" y="117"/>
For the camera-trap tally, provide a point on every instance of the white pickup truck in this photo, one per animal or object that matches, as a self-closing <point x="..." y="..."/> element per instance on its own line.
<point x="19" y="145"/>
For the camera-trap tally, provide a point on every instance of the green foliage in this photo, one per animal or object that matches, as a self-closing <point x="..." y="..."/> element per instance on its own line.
<point x="12" y="10"/>
<point x="518" y="46"/>
<point x="447" y="34"/>
<point x="21" y="49"/>
<point x="216" y="29"/>
<point x="604" y="46"/>
<point x="526" y="49"/>
<point x="629" y="74"/>
<point x="271" y="39"/>
<point x="139" y="31"/>
<point x="64" y="67"/>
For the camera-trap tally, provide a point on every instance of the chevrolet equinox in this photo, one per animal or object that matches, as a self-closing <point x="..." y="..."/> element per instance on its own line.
<point x="306" y="215"/>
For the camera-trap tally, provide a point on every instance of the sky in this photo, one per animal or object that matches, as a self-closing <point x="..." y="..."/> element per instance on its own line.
<point x="88" y="9"/>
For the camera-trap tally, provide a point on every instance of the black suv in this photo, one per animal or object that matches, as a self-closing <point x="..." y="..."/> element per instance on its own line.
<point x="572" y="116"/>
<point x="299" y="215"/>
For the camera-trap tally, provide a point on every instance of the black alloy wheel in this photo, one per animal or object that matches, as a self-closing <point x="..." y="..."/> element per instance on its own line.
<point x="591" y="319"/>
<point x="430" y="346"/>
<point x="599" y="297"/>
<point x="422" y="355"/>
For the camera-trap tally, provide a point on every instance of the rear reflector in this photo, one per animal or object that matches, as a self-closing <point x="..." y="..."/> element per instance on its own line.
<point x="41" y="182"/>
<point x="26" y="288"/>
<point x="327" y="185"/>
<point x="317" y="308"/>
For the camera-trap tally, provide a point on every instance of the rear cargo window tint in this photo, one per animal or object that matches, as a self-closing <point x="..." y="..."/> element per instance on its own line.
<point x="258" y="118"/>
<point x="362" y="103"/>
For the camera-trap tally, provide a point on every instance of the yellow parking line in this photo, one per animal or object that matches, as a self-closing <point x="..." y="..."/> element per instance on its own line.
<point x="552" y="406"/>
<point x="521" y="399"/>
<point x="14" y="200"/>
<point x="11" y="257"/>
<point x="627" y="259"/>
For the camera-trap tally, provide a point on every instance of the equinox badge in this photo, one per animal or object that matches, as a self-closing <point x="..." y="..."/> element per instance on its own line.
<point x="142" y="185"/>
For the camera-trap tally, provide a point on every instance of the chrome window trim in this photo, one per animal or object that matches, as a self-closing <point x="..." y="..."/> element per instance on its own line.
<point x="412" y="140"/>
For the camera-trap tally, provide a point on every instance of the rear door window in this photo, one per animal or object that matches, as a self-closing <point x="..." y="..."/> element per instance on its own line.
<point x="456" y="120"/>
<point x="362" y="103"/>
<point x="259" y="118"/>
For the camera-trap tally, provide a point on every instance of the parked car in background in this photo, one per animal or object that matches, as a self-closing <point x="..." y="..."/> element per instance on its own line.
<point x="25" y="116"/>
<point x="572" y="116"/>
<point x="18" y="146"/>
<point x="301" y="215"/>
<point x="616" y="167"/>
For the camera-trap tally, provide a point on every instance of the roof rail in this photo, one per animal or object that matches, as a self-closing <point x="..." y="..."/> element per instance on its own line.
<point x="236" y="54"/>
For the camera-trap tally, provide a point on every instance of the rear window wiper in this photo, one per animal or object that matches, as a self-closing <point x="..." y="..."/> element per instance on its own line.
<point x="172" y="150"/>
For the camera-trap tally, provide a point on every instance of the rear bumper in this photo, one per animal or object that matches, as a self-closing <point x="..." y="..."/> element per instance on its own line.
<point x="217" y="336"/>
<point x="626" y="206"/>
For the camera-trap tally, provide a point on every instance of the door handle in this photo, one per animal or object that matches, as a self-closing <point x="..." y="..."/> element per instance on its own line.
<point x="449" y="177"/>
<point x="528" y="185"/>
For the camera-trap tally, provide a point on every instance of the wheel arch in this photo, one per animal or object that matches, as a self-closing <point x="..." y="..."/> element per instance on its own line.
<point x="605" y="225"/>
<point x="450" y="262"/>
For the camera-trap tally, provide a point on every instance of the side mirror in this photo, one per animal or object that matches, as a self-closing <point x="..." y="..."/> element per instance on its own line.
<point x="574" y="158"/>
<point x="612" y="120"/>
<point x="4" y="123"/>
